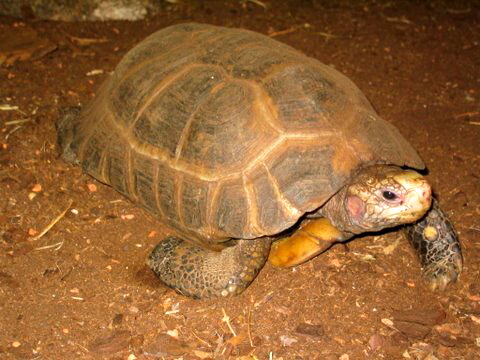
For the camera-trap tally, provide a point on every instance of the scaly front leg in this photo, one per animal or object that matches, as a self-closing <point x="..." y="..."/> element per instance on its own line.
<point x="312" y="238"/>
<point x="438" y="247"/>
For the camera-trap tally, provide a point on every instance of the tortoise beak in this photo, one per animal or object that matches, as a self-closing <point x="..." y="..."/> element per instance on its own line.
<point x="418" y="196"/>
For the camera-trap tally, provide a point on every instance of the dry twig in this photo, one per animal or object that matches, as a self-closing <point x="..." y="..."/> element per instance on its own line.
<point x="283" y="32"/>
<point x="226" y="319"/>
<point x="52" y="224"/>
<point x="249" y="330"/>
<point x="201" y="340"/>
<point x="468" y="113"/>
<point x="259" y="3"/>
<point x="57" y="246"/>
<point x="16" y="122"/>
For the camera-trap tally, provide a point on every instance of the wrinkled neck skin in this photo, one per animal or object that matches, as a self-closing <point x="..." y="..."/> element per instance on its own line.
<point x="335" y="211"/>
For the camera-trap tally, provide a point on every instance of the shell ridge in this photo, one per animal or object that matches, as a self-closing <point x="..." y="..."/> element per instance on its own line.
<point x="288" y="208"/>
<point x="186" y="130"/>
<point x="158" y="89"/>
<point x="156" y="190"/>
<point x="252" y="219"/>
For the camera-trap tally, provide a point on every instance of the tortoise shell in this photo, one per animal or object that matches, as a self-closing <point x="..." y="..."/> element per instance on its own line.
<point x="226" y="133"/>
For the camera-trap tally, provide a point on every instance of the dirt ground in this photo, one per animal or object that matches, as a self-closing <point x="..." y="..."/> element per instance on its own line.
<point x="81" y="290"/>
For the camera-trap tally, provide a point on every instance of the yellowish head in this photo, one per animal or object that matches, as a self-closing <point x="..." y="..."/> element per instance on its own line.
<point x="386" y="196"/>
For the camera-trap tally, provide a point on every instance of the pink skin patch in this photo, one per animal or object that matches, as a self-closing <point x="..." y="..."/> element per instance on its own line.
<point x="356" y="208"/>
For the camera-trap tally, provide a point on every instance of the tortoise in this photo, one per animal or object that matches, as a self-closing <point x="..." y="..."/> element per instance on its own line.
<point x="250" y="151"/>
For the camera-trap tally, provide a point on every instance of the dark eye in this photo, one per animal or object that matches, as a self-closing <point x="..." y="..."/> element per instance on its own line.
<point x="389" y="195"/>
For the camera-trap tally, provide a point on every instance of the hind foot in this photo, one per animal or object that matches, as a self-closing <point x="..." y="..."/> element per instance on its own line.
<point x="201" y="273"/>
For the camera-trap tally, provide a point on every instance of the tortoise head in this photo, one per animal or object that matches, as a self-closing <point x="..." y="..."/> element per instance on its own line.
<point x="383" y="196"/>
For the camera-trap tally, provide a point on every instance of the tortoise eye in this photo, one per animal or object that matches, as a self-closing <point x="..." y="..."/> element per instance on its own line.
<point x="389" y="195"/>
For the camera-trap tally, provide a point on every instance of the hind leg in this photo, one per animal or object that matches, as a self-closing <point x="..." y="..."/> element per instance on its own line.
<point x="438" y="247"/>
<point x="65" y="125"/>
<point x="203" y="273"/>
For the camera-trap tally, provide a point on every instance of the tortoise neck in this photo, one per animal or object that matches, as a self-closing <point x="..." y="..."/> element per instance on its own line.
<point x="335" y="210"/>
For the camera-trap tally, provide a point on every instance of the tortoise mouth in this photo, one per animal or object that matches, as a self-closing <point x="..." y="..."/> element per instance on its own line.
<point x="418" y="192"/>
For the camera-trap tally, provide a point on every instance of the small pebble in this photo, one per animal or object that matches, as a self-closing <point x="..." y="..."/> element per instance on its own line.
<point x="16" y="344"/>
<point x="91" y="187"/>
<point x="131" y="357"/>
<point x="376" y="341"/>
<point x="128" y="217"/>
<point x="309" y="329"/>
<point x="475" y="319"/>
<point x="133" y="309"/>
<point x="287" y="341"/>
<point x="387" y="322"/>
<point x="37" y="188"/>
<point x="173" y="333"/>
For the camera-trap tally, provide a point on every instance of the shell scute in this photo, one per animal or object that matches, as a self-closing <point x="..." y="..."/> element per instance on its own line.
<point x="232" y="212"/>
<point x="303" y="175"/>
<point x="194" y="196"/>
<point x="143" y="173"/>
<point x="226" y="133"/>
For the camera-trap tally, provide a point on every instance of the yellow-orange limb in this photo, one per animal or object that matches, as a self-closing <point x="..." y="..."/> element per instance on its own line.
<point x="311" y="239"/>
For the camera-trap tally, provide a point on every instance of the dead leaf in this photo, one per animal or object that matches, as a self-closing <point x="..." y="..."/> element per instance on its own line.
<point x="421" y="316"/>
<point x="309" y="329"/>
<point x="165" y="345"/>
<point x="412" y="330"/>
<point x="113" y="343"/>
<point x="22" y="44"/>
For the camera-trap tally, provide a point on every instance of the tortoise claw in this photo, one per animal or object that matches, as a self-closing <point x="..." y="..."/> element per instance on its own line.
<point x="441" y="274"/>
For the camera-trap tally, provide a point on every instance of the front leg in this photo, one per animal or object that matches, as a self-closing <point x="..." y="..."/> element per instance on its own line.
<point x="312" y="238"/>
<point x="438" y="247"/>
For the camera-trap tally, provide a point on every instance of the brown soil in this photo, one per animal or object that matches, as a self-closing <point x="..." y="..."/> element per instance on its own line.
<point x="82" y="289"/>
